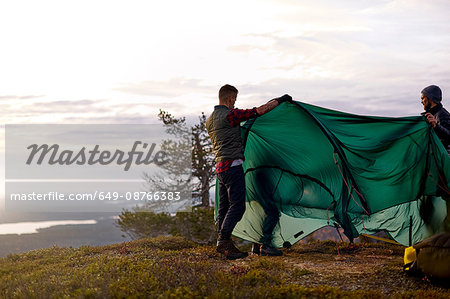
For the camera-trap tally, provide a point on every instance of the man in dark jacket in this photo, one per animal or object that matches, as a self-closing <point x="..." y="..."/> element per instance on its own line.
<point x="436" y="114"/>
<point x="224" y="130"/>
<point x="439" y="118"/>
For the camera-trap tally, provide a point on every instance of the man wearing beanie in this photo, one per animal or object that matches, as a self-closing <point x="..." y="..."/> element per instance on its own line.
<point x="436" y="115"/>
<point x="439" y="118"/>
<point x="224" y="130"/>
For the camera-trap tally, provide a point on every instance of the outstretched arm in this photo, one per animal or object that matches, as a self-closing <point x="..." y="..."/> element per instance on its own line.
<point x="272" y="104"/>
<point x="267" y="107"/>
<point x="237" y="116"/>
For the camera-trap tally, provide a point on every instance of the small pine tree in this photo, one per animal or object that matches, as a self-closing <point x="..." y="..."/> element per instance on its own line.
<point x="197" y="176"/>
<point x="196" y="139"/>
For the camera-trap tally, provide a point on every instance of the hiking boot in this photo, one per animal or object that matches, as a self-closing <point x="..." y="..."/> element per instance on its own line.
<point x="229" y="250"/>
<point x="270" y="251"/>
<point x="256" y="248"/>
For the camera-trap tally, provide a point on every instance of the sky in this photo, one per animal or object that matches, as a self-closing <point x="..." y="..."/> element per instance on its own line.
<point x="119" y="62"/>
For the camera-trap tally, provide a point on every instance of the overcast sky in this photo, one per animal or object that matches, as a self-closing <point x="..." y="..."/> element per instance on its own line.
<point x="121" y="61"/>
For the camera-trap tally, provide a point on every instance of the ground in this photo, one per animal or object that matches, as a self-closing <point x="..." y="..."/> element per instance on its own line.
<point x="175" y="267"/>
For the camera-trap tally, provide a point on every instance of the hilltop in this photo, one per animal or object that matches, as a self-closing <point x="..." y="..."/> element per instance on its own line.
<point x="175" y="267"/>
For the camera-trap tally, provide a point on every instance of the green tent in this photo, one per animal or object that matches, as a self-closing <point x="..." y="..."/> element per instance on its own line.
<point x="320" y="167"/>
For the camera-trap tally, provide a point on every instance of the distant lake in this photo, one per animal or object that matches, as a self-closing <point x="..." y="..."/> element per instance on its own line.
<point x="20" y="228"/>
<point x="21" y="233"/>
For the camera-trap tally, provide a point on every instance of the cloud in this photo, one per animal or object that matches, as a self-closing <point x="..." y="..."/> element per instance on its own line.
<point x="30" y="108"/>
<point x="174" y="87"/>
<point x="378" y="70"/>
<point x="355" y="40"/>
<point x="359" y="56"/>
<point x="393" y="99"/>
<point x="15" y="97"/>
<point x="93" y="111"/>
<point x="245" y="48"/>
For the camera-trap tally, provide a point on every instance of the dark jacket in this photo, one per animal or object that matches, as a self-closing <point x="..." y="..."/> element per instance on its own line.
<point x="442" y="128"/>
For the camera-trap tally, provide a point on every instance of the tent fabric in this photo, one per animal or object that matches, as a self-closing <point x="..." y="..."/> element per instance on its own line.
<point x="322" y="167"/>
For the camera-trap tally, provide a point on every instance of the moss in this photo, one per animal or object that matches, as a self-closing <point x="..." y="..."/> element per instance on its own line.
<point x="268" y="263"/>
<point x="299" y="272"/>
<point x="296" y="291"/>
<point x="172" y="267"/>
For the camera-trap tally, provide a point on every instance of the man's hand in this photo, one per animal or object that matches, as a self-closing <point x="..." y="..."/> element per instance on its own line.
<point x="284" y="98"/>
<point x="431" y="119"/>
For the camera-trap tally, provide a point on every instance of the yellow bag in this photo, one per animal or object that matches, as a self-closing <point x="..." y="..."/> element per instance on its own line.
<point x="430" y="257"/>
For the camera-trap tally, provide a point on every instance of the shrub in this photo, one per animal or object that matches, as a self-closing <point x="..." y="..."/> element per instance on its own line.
<point x="197" y="226"/>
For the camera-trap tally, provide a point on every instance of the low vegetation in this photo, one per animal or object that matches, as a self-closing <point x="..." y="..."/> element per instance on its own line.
<point x="173" y="267"/>
<point x="196" y="225"/>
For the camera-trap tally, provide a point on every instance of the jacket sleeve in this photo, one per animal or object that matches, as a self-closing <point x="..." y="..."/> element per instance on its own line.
<point x="442" y="128"/>
<point x="237" y="116"/>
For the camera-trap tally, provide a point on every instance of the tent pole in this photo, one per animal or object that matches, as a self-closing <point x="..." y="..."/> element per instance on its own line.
<point x="410" y="230"/>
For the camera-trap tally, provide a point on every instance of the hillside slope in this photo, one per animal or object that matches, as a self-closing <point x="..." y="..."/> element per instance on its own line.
<point x="174" y="267"/>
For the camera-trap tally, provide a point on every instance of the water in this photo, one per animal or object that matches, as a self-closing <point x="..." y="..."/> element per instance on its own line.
<point x="28" y="231"/>
<point x="32" y="227"/>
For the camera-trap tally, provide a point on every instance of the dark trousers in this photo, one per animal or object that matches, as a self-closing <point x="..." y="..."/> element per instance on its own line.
<point x="271" y="220"/>
<point x="232" y="200"/>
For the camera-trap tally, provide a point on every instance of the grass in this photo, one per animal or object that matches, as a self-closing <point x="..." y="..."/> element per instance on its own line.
<point x="172" y="267"/>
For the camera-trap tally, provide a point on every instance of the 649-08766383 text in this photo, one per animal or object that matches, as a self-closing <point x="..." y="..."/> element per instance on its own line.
<point x="97" y="195"/>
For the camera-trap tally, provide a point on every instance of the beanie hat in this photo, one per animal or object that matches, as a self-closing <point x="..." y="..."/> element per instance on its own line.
<point x="433" y="92"/>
